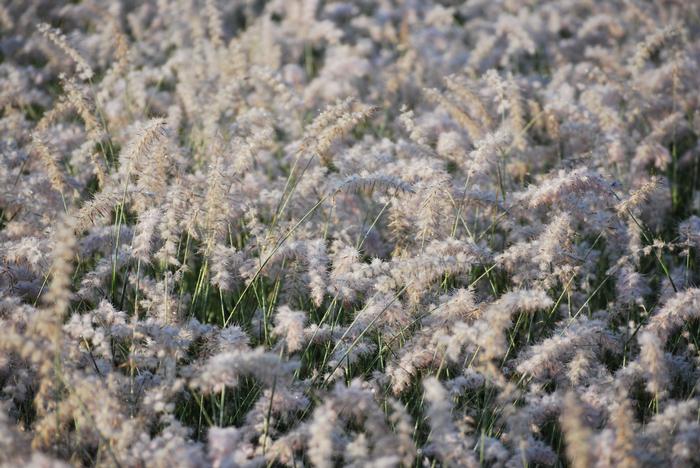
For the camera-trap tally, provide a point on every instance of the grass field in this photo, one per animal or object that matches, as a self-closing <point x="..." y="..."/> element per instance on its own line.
<point x="368" y="233"/>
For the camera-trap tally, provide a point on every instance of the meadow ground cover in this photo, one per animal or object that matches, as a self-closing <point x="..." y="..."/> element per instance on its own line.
<point x="372" y="233"/>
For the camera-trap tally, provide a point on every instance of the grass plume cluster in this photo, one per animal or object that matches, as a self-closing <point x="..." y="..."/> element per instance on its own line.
<point x="373" y="233"/>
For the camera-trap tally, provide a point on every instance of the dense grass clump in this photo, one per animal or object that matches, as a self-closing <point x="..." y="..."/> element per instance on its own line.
<point x="373" y="233"/>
